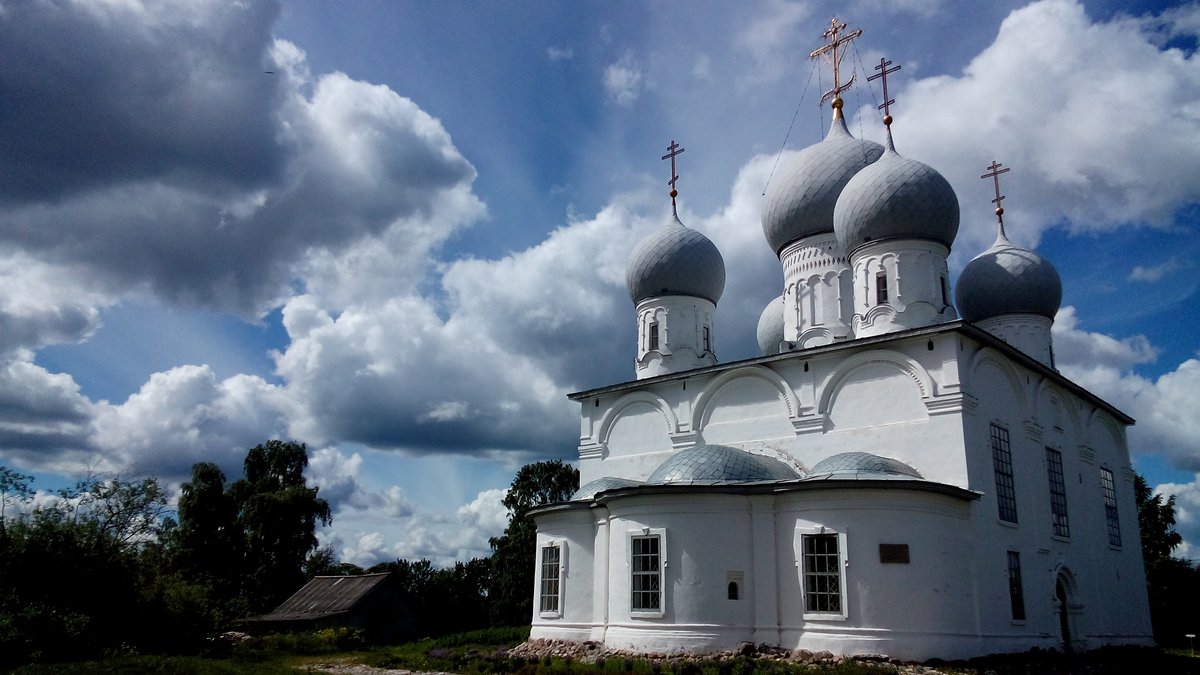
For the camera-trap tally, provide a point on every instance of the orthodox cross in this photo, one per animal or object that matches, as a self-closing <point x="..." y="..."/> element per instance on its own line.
<point x="994" y="174"/>
<point x="884" y="71"/>
<point x="830" y="51"/>
<point x="674" y="150"/>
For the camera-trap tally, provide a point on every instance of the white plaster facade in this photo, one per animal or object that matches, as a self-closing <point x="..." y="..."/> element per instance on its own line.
<point x="928" y="397"/>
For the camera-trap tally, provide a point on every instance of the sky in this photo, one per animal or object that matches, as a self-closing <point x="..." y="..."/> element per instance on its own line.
<point x="397" y="231"/>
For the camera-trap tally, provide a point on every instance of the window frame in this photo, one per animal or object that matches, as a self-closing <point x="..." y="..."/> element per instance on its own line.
<point x="659" y="572"/>
<point x="881" y="288"/>
<point x="840" y="565"/>
<point x="1016" y="590"/>
<point x="652" y="338"/>
<point x="1058" y="493"/>
<point x="1002" y="467"/>
<point x="1112" y="515"/>
<point x="560" y="571"/>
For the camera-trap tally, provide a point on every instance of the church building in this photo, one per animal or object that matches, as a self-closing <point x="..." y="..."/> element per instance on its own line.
<point x="896" y="473"/>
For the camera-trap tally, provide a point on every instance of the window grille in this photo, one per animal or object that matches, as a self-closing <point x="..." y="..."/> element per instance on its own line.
<point x="1006" y="493"/>
<point x="1058" y="493"/>
<point x="1110" y="507"/>
<point x="822" y="574"/>
<point x="551" y="556"/>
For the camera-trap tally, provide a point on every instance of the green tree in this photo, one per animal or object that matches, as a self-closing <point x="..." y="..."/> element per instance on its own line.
<point x="1173" y="584"/>
<point x="278" y="514"/>
<point x="514" y="552"/>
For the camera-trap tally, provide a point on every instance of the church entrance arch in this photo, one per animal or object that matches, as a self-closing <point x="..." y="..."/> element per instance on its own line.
<point x="1065" y="606"/>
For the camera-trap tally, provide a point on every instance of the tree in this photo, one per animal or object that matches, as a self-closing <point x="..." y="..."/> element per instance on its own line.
<point x="1173" y="584"/>
<point x="513" y="553"/>
<point x="278" y="515"/>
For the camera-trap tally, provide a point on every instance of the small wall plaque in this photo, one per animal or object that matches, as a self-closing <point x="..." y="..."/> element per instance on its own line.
<point x="893" y="553"/>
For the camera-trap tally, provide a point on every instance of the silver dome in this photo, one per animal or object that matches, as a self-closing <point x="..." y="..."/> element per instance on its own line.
<point x="896" y="198"/>
<point x="720" y="464"/>
<point x="770" y="327"/>
<point x="1008" y="279"/>
<point x="862" y="463"/>
<point x="675" y="260"/>
<point x="799" y="202"/>
<point x="595" y="487"/>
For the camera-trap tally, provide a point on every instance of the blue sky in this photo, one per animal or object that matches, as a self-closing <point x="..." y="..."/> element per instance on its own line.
<point x="397" y="231"/>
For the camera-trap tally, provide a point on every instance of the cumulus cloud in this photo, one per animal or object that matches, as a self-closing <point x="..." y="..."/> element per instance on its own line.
<point x="623" y="81"/>
<point x="1071" y="121"/>
<point x="213" y="178"/>
<point x="1162" y="406"/>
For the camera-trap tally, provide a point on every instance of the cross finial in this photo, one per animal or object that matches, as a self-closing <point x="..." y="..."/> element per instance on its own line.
<point x="830" y="51"/>
<point x="884" y="71"/>
<point x="673" y="151"/>
<point x="994" y="172"/>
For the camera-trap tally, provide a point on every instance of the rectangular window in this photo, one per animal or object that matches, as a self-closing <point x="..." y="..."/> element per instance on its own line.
<point x="645" y="564"/>
<point x="881" y="289"/>
<point x="653" y="336"/>
<point x="1058" y="492"/>
<point x="551" y="557"/>
<point x="1015" y="595"/>
<point x="945" y="292"/>
<point x="1110" y="507"/>
<point x="822" y="574"/>
<point x="1006" y="493"/>
<point x="707" y="340"/>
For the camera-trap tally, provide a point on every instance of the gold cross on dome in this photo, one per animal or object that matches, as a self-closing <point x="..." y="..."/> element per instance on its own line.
<point x="994" y="173"/>
<point x="884" y="71"/>
<point x="674" y="150"/>
<point x="830" y="51"/>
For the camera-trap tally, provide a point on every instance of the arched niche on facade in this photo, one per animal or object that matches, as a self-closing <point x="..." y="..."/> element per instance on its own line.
<point x="1056" y="411"/>
<point x="990" y="372"/>
<point x="875" y="388"/>
<point x="746" y="404"/>
<point x="636" y="424"/>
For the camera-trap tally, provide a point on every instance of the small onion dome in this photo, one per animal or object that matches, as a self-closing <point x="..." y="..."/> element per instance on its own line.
<point x="799" y="202"/>
<point x="1008" y="279"/>
<point x="862" y="463"/>
<point x="770" y="327"/>
<point x="896" y="198"/>
<point x="595" y="487"/>
<point x="720" y="464"/>
<point x="675" y="260"/>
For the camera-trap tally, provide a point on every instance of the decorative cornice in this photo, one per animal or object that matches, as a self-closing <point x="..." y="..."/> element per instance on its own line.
<point x="1033" y="430"/>
<point x="809" y="424"/>
<point x="1087" y="454"/>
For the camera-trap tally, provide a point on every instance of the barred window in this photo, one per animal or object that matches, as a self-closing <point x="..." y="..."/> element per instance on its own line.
<point x="1006" y="493"/>
<point x="881" y="288"/>
<point x="822" y="574"/>
<point x="1058" y="493"/>
<point x="1110" y="507"/>
<point x="645" y="558"/>
<point x="551" y="556"/>
<point x="1015" y="594"/>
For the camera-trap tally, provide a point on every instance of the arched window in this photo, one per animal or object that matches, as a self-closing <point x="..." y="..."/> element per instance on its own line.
<point x="733" y="590"/>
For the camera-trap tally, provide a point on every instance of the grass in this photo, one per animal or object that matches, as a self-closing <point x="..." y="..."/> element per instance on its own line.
<point x="483" y="653"/>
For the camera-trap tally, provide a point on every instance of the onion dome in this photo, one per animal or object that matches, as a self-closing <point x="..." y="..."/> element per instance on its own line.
<point x="896" y="198"/>
<point x="675" y="260"/>
<point x="799" y="202"/>
<point x="860" y="463"/>
<point x="770" y="327"/>
<point x="720" y="464"/>
<point x="595" y="487"/>
<point x="1008" y="279"/>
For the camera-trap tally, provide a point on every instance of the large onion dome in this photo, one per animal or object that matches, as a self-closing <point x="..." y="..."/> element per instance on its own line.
<point x="800" y="200"/>
<point x="1008" y="279"/>
<point x="675" y="260"/>
<point x="770" y="327"/>
<point x="896" y="198"/>
<point x="720" y="464"/>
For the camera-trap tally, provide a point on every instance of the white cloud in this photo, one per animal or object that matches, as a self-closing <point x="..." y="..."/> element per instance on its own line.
<point x="1155" y="272"/>
<point x="560" y="53"/>
<point x="1063" y="102"/>
<point x="623" y="81"/>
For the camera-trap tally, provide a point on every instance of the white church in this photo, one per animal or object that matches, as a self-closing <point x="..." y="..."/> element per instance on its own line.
<point x="892" y="476"/>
